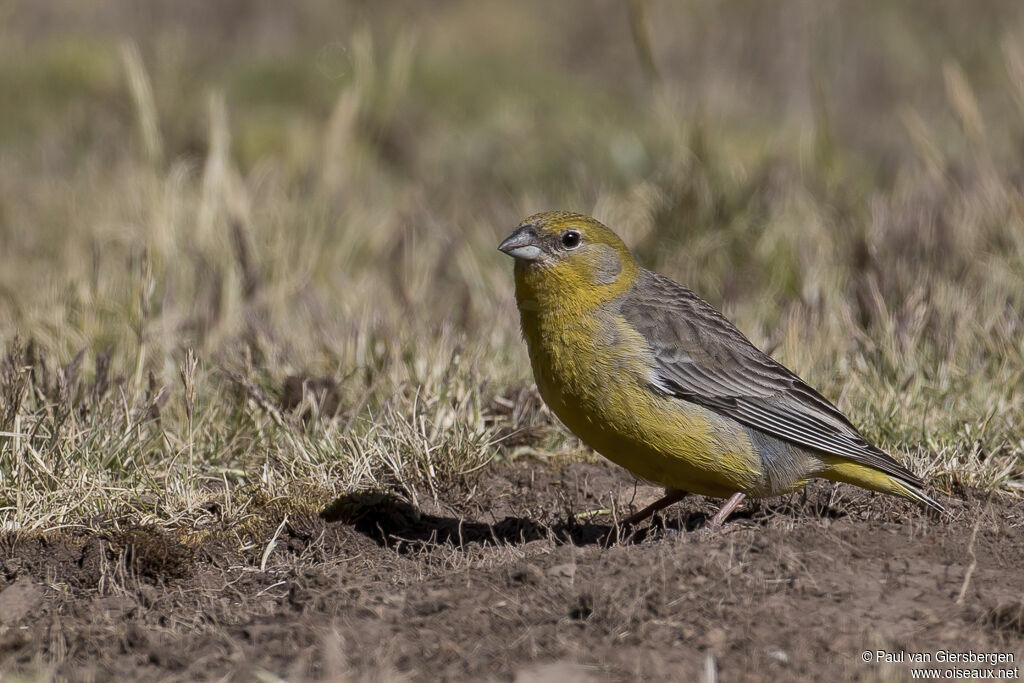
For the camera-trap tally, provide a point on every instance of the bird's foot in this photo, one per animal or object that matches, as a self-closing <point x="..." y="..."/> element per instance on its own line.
<point x="671" y="496"/>
<point x="719" y="519"/>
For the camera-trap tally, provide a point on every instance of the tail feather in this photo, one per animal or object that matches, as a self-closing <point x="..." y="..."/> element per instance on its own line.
<point x="840" y="469"/>
<point x="917" y="494"/>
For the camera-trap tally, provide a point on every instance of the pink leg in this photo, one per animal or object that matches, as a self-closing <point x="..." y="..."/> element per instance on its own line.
<point x="671" y="496"/>
<point x="726" y="510"/>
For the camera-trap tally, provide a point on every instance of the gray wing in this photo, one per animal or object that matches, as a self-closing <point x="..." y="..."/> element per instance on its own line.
<point x="701" y="357"/>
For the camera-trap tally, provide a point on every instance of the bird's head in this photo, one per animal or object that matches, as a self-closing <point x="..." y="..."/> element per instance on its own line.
<point x="564" y="254"/>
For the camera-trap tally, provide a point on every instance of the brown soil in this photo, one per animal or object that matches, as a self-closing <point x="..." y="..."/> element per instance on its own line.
<point x="494" y="580"/>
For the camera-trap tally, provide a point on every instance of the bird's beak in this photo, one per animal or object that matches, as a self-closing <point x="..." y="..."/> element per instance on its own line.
<point x="522" y="244"/>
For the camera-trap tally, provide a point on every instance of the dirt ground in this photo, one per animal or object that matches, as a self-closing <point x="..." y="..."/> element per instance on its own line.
<point x="494" y="580"/>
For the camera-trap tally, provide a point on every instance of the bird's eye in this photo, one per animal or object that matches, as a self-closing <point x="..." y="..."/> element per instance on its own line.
<point x="571" y="239"/>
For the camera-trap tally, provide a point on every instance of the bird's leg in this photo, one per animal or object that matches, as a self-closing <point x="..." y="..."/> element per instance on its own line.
<point x="671" y="496"/>
<point x="726" y="510"/>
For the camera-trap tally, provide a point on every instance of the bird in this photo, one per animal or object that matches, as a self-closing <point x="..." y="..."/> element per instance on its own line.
<point x="655" y="379"/>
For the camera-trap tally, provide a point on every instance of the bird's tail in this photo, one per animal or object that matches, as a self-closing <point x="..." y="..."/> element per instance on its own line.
<point x="840" y="469"/>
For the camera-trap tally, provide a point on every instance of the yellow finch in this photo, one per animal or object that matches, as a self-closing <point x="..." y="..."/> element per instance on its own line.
<point x="655" y="379"/>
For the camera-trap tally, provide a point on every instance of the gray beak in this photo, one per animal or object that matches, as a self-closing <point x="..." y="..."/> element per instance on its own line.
<point x="521" y="244"/>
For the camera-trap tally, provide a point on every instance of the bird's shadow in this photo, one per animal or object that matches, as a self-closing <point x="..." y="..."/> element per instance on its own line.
<point x="394" y="523"/>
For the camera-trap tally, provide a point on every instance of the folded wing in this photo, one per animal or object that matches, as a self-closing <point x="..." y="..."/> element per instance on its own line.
<point x="701" y="357"/>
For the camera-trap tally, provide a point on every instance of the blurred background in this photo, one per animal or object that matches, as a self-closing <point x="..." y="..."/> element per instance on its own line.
<point x="204" y="205"/>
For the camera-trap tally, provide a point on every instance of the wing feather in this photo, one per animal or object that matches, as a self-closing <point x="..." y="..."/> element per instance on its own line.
<point x="701" y="357"/>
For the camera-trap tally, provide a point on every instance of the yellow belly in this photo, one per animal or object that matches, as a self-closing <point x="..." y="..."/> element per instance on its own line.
<point x="688" y="448"/>
<point x="602" y="395"/>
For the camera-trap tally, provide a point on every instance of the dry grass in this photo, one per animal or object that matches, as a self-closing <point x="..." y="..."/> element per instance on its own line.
<point x="196" y="206"/>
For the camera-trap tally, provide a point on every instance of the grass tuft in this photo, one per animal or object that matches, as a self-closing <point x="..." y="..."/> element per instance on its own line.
<point x="256" y="264"/>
